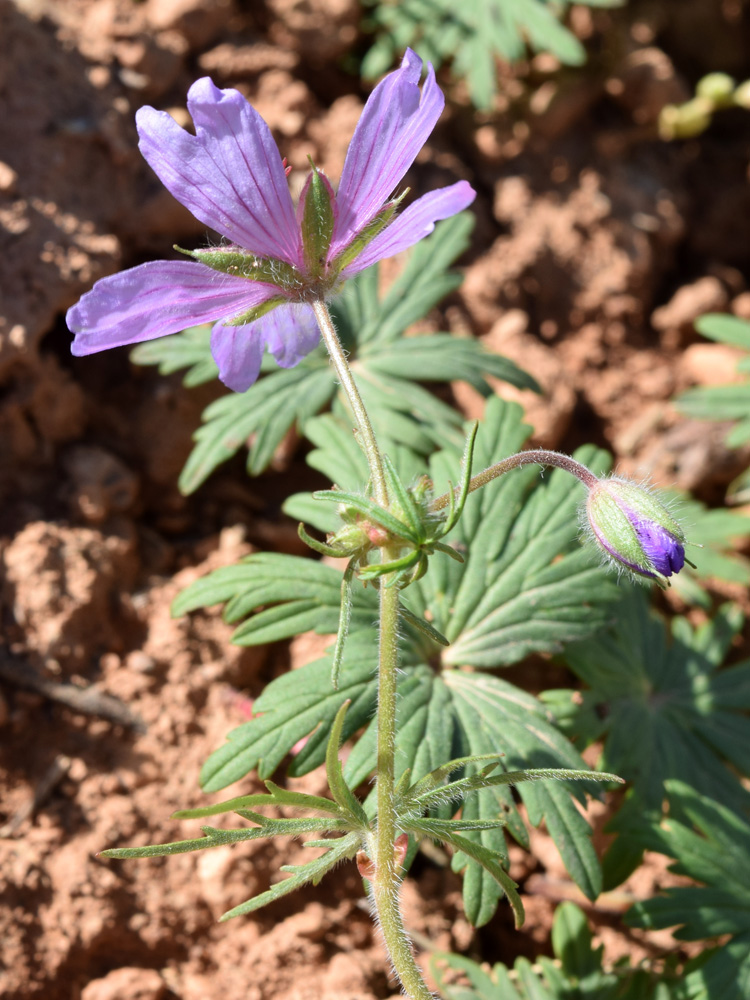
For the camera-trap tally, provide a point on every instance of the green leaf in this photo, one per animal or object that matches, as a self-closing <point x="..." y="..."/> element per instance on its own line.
<point x="472" y="36"/>
<point x="460" y="789"/>
<point x="712" y="848"/>
<point x="294" y="595"/>
<point x="438" y="777"/>
<point x="726" y="329"/>
<point x="438" y="829"/>
<point x="723" y="402"/>
<point x="497" y="716"/>
<point x="716" y="402"/>
<point x="312" y="872"/>
<point x="527" y="585"/>
<point x="218" y="838"/>
<point x="440" y="357"/>
<point x="713" y="536"/>
<point x="577" y="973"/>
<point x="668" y="709"/>
<point x="544" y="32"/>
<point x="571" y="941"/>
<point x="297" y="705"/>
<point x="490" y="862"/>
<point x="277" y="797"/>
<point x="258" y="419"/>
<point x="519" y="591"/>
<point x="341" y="792"/>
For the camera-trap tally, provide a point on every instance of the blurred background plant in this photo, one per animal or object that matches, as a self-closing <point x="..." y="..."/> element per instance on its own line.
<point x="471" y="37"/>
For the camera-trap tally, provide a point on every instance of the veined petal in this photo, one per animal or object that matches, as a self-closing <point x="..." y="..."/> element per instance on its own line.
<point x="238" y="352"/>
<point x="229" y="174"/>
<point x="394" y="126"/>
<point x="156" y="299"/>
<point x="413" y="224"/>
<point x="290" y="333"/>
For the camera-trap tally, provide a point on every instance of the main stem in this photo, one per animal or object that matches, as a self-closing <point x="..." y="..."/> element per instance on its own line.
<point x="386" y="880"/>
<point x="345" y="377"/>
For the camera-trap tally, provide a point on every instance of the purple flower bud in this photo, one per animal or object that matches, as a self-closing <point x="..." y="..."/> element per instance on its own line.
<point x="635" y="529"/>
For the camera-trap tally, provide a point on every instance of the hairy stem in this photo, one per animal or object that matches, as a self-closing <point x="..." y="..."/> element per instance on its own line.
<point x="540" y="457"/>
<point x="386" y="880"/>
<point x="345" y="377"/>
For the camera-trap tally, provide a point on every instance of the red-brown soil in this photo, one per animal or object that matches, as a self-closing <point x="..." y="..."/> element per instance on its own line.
<point x="596" y="247"/>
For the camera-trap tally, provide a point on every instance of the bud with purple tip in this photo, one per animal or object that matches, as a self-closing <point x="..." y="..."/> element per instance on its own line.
<point x="635" y="529"/>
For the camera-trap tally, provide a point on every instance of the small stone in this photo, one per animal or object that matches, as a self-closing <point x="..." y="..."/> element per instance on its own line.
<point x="126" y="983"/>
<point x="140" y="662"/>
<point x="200" y="21"/>
<point x="8" y="178"/>
<point x="102" y="483"/>
<point x="741" y="305"/>
<point x="712" y="364"/>
<point x="689" y="302"/>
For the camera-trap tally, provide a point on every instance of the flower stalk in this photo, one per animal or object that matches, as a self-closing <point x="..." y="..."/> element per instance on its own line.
<point x="539" y="457"/>
<point x="631" y="526"/>
<point x="345" y="377"/>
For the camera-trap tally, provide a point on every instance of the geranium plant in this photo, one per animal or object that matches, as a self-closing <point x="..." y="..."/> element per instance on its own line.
<point x="459" y="571"/>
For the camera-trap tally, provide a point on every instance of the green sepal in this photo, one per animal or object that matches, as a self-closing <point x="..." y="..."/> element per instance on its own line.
<point x="368" y="234"/>
<point x="371" y="510"/>
<point x="256" y="312"/>
<point x="320" y="547"/>
<point x="614" y="507"/>
<point x="317" y="203"/>
<point x="268" y="270"/>
<point x="403" y="499"/>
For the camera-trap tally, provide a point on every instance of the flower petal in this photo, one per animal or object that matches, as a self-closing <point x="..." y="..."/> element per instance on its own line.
<point x="229" y="174"/>
<point x="394" y="126"/>
<point x="238" y="352"/>
<point x="666" y="553"/>
<point x="156" y="299"/>
<point x="290" y="332"/>
<point x="413" y="224"/>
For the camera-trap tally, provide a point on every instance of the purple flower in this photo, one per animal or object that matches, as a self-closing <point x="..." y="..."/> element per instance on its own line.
<point x="635" y="529"/>
<point x="259" y="285"/>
